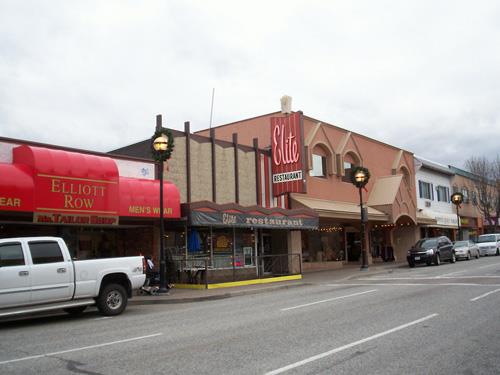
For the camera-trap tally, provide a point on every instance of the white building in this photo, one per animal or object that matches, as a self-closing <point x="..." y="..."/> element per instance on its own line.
<point x="433" y="182"/>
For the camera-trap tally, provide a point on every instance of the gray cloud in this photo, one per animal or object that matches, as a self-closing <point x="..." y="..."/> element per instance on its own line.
<point x="423" y="75"/>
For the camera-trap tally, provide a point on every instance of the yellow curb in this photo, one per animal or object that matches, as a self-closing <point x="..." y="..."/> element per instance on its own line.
<point x="239" y="283"/>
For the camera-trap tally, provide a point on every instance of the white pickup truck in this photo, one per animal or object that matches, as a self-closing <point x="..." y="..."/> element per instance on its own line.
<point x="38" y="274"/>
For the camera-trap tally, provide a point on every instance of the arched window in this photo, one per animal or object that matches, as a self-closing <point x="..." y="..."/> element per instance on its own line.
<point x="319" y="161"/>
<point x="351" y="160"/>
<point x="465" y="193"/>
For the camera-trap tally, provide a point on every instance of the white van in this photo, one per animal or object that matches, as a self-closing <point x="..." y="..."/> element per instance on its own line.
<point x="489" y="244"/>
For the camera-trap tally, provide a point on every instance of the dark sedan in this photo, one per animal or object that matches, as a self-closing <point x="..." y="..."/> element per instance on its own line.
<point x="431" y="250"/>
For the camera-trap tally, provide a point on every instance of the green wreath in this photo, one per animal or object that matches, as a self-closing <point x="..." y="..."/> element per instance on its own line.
<point x="163" y="155"/>
<point x="355" y="171"/>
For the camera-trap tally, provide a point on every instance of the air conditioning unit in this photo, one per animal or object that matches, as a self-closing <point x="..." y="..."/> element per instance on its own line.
<point x="427" y="203"/>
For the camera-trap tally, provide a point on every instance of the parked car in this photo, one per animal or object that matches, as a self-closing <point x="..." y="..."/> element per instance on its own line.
<point x="489" y="244"/>
<point x="466" y="249"/>
<point x="38" y="274"/>
<point x="431" y="250"/>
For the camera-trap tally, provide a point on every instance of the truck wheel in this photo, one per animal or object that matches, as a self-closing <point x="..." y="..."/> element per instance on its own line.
<point x="112" y="300"/>
<point x="77" y="310"/>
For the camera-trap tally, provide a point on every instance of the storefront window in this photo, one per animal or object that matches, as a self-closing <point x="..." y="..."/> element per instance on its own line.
<point x="222" y="242"/>
<point x="326" y="245"/>
<point x="244" y="248"/>
<point x="175" y="242"/>
<point x="198" y="242"/>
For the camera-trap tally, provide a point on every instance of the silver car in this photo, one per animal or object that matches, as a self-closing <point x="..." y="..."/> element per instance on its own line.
<point x="466" y="249"/>
<point x="489" y="244"/>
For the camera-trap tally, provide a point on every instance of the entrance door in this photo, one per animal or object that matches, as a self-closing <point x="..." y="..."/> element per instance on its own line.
<point x="265" y="253"/>
<point x="353" y="246"/>
<point x="14" y="275"/>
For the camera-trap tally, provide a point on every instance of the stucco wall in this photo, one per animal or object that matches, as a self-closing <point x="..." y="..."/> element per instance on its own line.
<point x="247" y="178"/>
<point x="177" y="167"/>
<point x="403" y="238"/>
<point x="225" y="188"/>
<point x="201" y="171"/>
<point x="378" y="157"/>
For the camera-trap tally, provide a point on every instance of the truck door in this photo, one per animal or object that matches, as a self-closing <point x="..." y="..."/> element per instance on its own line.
<point x="51" y="273"/>
<point x="14" y="275"/>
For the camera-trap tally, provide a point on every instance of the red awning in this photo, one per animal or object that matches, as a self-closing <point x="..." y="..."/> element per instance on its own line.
<point x="142" y="198"/>
<point x="52" y="182"/>
<point x="16" y="188"/>
<point x="71" y="182"/>
<point x="46" y="161"/>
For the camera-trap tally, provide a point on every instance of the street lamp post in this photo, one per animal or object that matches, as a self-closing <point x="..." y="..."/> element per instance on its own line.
<point x="162" y="144"/>
<point x="359" y="178"/>
<point x="457" y="199"/>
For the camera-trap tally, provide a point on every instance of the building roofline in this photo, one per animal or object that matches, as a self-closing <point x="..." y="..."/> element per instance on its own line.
<point x="312" y="119"/>
<point x="65" y="148"/>
<point x="358" y="134"/>
<point x="238" y="121"/>
<point x="435" y="166"/>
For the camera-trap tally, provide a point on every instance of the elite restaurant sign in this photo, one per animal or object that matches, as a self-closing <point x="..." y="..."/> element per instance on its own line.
<point x="287" y="154"/>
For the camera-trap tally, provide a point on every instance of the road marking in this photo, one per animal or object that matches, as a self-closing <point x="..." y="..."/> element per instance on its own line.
<point x="348" y="346"/>
<point x="451" y="273"/>
<point x="490" y="265"/>
<point x="328" y="300"/>
<point x="484" y="295"/>
<point x="412" y="284"/>
<point x="103" y="318"/>
<point x="79" y="349"/>
<point x="428" y="278"/>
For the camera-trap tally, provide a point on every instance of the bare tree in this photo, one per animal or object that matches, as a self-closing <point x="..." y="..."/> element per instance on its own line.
<point x="482" y="169"/>
<point x="496" y="179"/>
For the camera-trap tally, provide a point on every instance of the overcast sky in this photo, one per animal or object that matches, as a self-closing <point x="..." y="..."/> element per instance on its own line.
<point x="421" y="75"/>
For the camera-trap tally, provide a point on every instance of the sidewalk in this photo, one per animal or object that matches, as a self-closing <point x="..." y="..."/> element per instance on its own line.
<point x="177" y="295"/>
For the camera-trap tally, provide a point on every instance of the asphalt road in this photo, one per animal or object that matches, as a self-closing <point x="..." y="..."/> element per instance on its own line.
<point x="425" y="320"/>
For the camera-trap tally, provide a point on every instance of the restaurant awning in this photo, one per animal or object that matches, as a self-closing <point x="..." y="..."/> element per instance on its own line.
<point x="335" y="209"/>
<point x="207" y="213"/>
